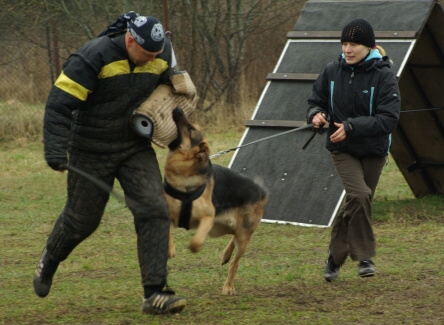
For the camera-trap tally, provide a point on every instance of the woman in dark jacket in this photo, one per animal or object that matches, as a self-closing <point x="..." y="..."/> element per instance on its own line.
<point x="360" y="98"/>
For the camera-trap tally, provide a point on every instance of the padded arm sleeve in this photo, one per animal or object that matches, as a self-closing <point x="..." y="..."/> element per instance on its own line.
<point x="57" y="123"/>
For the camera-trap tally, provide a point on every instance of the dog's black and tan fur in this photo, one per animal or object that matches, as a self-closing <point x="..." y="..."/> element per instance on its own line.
<point x="229" y="203"/>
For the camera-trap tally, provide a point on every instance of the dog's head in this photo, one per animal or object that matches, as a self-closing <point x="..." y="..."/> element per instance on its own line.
<point x="191" y="143"/>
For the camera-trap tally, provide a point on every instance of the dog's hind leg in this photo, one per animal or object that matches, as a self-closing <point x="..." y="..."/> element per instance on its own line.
<point x="241" y="244"/>
<point x="228" y="251"/>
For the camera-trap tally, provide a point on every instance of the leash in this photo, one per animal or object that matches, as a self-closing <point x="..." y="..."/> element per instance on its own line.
<point x="101" y="184"/>
<point x="98" y="182"/>
<point x="220" y="153"/>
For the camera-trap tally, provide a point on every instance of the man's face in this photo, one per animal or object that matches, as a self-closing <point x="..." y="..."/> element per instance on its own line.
<point x="137" y="54"/>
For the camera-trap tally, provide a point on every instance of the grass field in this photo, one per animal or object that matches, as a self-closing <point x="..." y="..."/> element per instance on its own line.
<point x="280" y="279"/>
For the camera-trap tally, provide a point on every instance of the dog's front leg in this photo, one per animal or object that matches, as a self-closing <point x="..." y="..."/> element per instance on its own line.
<point x="205" y="225"/>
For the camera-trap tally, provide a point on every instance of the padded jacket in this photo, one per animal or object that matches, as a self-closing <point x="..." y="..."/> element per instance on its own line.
<point x="91" y="103"/>
<point x="365" y="98"/>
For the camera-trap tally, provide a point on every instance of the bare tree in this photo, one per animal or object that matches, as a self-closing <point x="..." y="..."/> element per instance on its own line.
<point x="226" y="45"/>
<point x="58" y="27"/>
<point x="218" y="42"/>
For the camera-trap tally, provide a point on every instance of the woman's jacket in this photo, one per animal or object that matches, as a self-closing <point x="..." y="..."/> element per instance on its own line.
<point x="365" y="98"/>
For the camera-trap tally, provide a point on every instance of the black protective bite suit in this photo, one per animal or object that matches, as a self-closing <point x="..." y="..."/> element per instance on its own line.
<point x="88" y="115"/>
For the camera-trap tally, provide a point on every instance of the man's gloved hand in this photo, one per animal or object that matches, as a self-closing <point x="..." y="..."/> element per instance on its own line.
<point x="57" y="162"/>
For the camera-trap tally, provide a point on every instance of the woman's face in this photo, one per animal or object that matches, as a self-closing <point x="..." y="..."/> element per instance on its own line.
<point x="354" y="52"/>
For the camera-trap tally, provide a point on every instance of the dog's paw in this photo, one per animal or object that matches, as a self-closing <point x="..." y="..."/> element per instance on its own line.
<point x="171" y="252"/>
<point x="194" y="247"/>
<point x="228" y="291"/>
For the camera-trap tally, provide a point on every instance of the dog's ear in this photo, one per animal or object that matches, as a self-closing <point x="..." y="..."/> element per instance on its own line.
<point x="203" y="156"/>
<point x="204" y="153"/>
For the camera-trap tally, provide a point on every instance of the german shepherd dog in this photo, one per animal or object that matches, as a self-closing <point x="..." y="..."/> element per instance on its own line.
<point x="212" y="199"/>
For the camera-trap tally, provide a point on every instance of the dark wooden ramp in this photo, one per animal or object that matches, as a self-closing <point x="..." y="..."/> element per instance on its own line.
<point x="305" y="189"/>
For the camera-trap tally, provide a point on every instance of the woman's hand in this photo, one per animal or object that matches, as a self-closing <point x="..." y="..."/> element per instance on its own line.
<point x="339" y="134"/>
<point x="319" y="120"/>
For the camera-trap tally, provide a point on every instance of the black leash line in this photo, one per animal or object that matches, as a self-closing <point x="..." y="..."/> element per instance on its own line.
<point x="422" y="110"/>
<point x="220" y="153"/>
<point x="99" y="183"/>
<point x="102" y="185"/>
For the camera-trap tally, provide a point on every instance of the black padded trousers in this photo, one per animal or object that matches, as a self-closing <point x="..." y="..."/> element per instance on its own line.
<point x="138" y="172"/>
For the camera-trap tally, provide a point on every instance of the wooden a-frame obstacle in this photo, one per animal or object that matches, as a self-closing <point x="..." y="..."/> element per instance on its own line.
<point x="304" y="187"/>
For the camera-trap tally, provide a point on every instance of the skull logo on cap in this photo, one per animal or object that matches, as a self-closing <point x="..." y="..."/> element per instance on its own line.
<point x="157" y="33"/>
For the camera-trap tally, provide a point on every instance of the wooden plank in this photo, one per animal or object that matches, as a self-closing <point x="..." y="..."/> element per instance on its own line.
<point x="314" y="34"/>
<point x="276" y="123"/>
<point x="337" y="34"/>
<point x="293" y="76"/>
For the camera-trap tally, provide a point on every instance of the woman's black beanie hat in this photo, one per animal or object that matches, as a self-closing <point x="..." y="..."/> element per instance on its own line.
<point x="359" y="31"/>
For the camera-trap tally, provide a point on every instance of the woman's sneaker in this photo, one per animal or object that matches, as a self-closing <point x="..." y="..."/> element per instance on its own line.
<point x="366" y="268"/>
<point x="163" y="302"/>
<point x="331" y="271"/>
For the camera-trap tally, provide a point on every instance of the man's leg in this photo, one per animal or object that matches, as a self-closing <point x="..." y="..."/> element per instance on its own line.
<point x="79" y="219"/>
<point x="141" y="181"/>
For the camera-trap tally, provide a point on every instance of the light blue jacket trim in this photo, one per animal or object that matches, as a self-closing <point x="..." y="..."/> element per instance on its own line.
<point x="390" y="144"/>
<point x="332" y="86"/>
<point x="374" y="54"/>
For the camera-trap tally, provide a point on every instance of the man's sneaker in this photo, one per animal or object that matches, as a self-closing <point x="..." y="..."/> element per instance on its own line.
<point x="331" y="270"/>
<point x="163" y="302"/>
<point x="366" y="268"/>
<point x="43" y="275"/>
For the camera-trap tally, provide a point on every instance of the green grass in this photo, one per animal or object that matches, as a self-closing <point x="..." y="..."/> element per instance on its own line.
<point x="280" y="280"/>
<point x="20" y="120"/>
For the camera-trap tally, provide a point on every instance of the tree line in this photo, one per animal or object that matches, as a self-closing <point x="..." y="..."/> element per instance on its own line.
<point x="227" y="46"/>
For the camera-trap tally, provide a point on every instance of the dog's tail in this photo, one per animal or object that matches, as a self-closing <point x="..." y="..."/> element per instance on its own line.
<point x="265" y="192"/>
